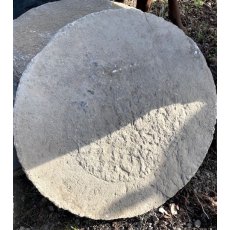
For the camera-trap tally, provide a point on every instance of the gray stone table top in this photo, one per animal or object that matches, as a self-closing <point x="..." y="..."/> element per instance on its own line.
<point x="115" y="114"/>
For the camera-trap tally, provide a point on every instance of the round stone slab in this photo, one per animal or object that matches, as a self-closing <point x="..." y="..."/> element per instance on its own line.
<point x="115" y="114"/>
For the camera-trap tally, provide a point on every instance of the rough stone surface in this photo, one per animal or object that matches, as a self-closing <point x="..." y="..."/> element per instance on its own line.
<point x="111" y="120"/>
<point x="34" y="29"/>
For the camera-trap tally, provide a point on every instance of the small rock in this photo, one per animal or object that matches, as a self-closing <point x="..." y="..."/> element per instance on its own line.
<point x="173" y="209"/>
<point x="189" y="225"/>
<point x="150" y="227"/>
<point x="163" y="211"/>
<point x="197" y="223"/>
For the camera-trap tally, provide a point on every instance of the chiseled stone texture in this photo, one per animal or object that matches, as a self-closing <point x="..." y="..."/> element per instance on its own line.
<point x="115" y="114"/>
<point x="34" y="29"/>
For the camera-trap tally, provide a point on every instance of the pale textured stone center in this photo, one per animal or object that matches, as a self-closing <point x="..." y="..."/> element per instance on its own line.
<point x="137" y="149"/>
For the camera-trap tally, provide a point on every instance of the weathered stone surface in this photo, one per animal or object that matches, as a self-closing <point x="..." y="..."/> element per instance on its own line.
<point x="111" y="120"/>
<point x="34" y="29"/>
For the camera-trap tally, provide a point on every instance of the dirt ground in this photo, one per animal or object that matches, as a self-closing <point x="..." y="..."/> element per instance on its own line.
<point x="197" y="201"/>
